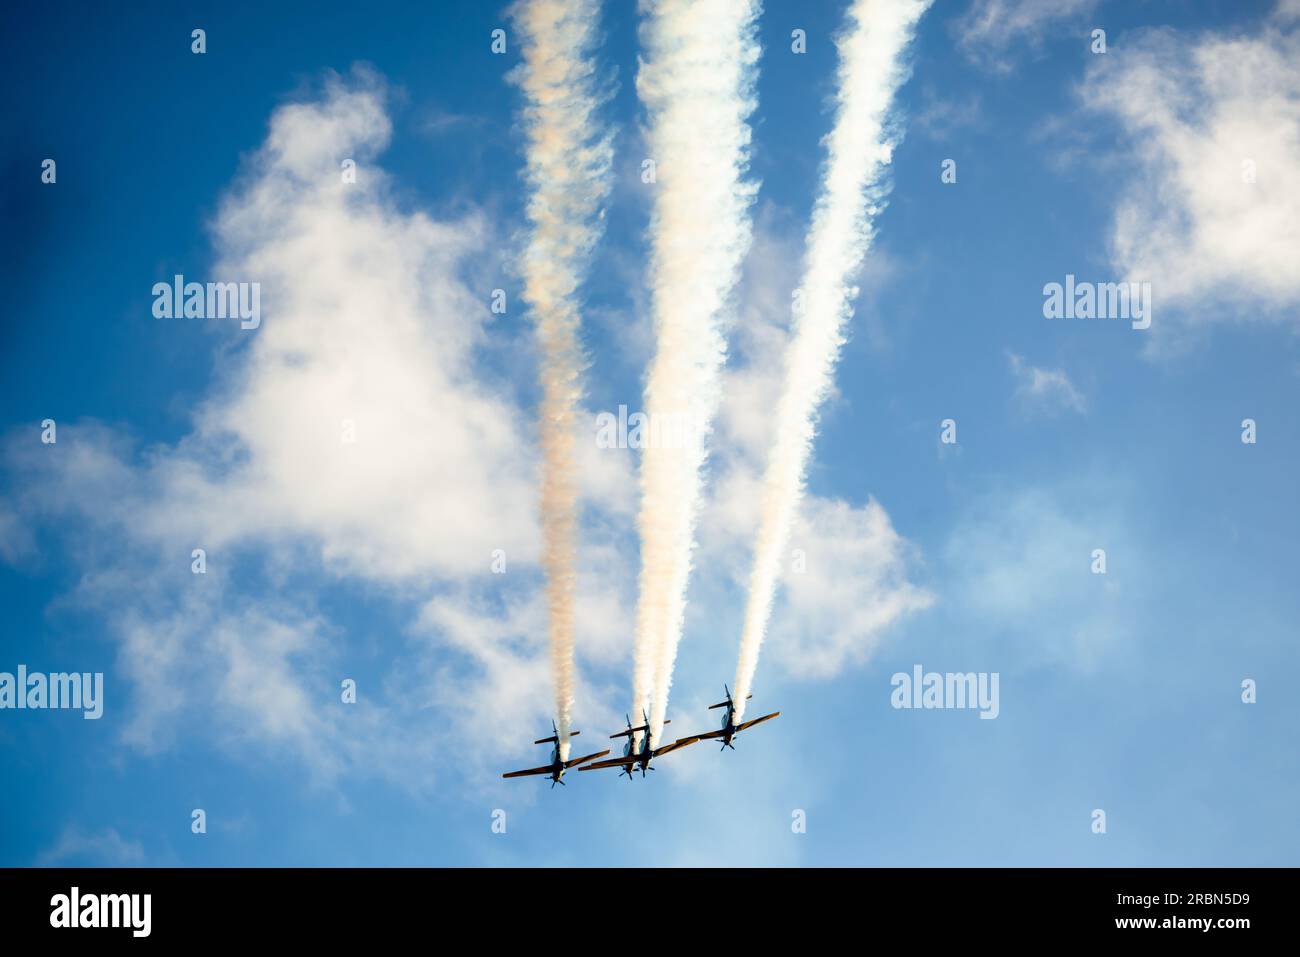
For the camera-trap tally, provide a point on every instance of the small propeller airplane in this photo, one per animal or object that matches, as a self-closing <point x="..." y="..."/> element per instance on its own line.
<point x="642" y="756"/>
<point x="557" y="767"/>
<point x="729" y="727"/>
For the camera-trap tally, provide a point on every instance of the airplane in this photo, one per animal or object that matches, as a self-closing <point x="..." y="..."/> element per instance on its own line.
<point x="557" y="767"/>
<point x="729" y="727"/>
<point x="642" y="757"/>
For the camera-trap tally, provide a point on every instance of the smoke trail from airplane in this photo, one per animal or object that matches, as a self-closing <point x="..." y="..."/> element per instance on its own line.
<point x="568" y="158"/>
<point x="872" y="67"/>
<point x="696" y="81"/>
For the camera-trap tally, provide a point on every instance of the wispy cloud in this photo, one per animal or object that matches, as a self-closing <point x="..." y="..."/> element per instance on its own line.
<point x="101" y="848"/>
<point x="944" y="112"/>
<point x="1044" y="389"/>
<point x="990" y="30"/>
<point x="1022" y="561"/>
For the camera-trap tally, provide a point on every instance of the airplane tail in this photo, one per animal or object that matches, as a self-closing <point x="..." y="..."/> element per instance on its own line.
<point x="723" y="704"/>
<point x="555" y="738"/>
<point x="632" y="730"/>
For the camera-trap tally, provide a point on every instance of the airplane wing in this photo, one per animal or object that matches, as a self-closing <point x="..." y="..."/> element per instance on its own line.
<point x="624" y="761"/>
<point x="750" y="724"/>
<point x="709" y="734"/>
<point x="588" y="757"/>
<point x="679" y="743"/>
<point x="520" y="774"/>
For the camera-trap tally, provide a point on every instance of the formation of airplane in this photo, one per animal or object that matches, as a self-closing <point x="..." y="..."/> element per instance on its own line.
<point x="634" y="756"/>
<point x="557" y="767"/>
<point x="637" y="754"/>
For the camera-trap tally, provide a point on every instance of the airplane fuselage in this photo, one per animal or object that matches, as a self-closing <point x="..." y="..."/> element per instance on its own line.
<point x="557" y="766"/>
<point x="729" y="725"/>
<point x="638" y="757"/>
<point x="643" y="756"/>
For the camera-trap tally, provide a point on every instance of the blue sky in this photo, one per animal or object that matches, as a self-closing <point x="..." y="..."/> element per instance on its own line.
<point x="1119" y="692"/>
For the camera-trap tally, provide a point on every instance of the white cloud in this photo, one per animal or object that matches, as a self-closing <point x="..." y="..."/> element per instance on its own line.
<point x="1046" y="389"/>
<point x="1201" y="115"/>
<point x="367" y="316"/>
<point x="989" y="29"/>
<point x="368" y="319"/>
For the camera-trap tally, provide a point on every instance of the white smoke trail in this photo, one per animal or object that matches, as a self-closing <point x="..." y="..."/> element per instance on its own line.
<point x="859" y="148"/>
<point x="568" y="160"/>
<point x="696" y="80"/>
